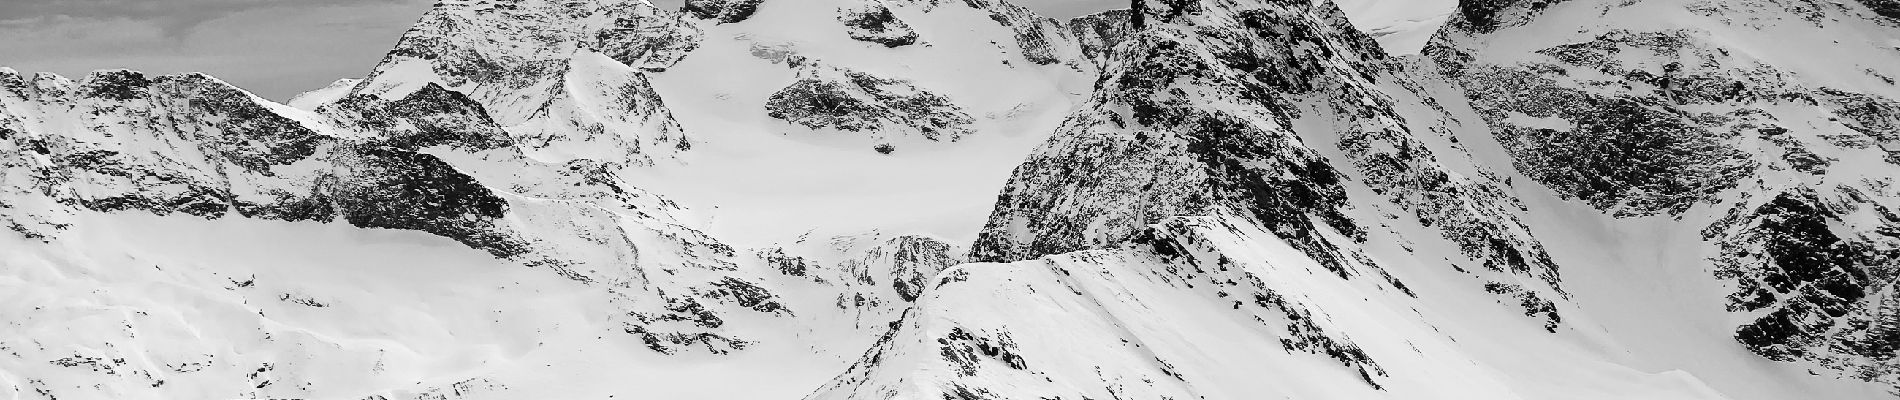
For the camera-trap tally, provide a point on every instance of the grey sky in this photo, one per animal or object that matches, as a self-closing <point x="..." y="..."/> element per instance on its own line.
<point x="275" y="48"/>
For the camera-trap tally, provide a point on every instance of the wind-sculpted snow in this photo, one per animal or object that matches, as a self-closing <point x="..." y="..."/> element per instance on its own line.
<point x="1673" y="108"/>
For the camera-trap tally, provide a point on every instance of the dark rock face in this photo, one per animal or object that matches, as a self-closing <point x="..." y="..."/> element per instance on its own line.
<point x="231" y="135"/>
<point x="1802" y="254"/>
<point x="967" y="351"/>
<point x="412" y="191"/>
<point x="725" y="11"/>
<point x="915" y="261"/>
<point x="1632" y="154"/>
<point x="827" y="97"/>
<point x="393" y="186"/>
<point x="873" y="22"/>
<point x="1039" y="37"/>
<point x="682" y="311"/>
<point x="1106" y="173"/>
<point x="1810" y="280"/>
<point x="253" y="137"/>
<point x="118" y="85"/>
<point x="748" y="295"/>
<point x="1886" y="8"/>
<point x="1181" y="149"/>
<point x="1658" y="122"/>
<point x="386" y="184"/>
<point x="790" y="265"/>
<point x="1534" y="305"/>
<point x="822" y="104"/>
<point x="1474" y="212"/>
<point x="1490" y="15"/>
<point x="644" y="37"/>
<point x="431" y="116"/>
<point x="1099" y="33"/>
<point x="1877" y="118"/>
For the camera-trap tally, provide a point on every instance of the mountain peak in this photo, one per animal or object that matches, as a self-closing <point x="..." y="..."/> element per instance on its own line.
<point x="964" y="199"/>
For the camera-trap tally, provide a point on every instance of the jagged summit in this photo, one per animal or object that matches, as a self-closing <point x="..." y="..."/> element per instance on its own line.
<point x="923" y="199"/>
<point x="1218" y="135"/>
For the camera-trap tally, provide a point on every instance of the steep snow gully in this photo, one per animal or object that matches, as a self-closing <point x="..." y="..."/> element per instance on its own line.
<point x="967" y="199"/>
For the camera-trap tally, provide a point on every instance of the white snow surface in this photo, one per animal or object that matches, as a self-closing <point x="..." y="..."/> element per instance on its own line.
<point x="1401" y="26"/>
<point x="752" y="168"/>
<point x="131" y="305"/>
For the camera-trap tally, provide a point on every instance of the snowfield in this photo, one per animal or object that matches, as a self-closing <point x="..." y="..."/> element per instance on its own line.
<point x="967" y="199"/>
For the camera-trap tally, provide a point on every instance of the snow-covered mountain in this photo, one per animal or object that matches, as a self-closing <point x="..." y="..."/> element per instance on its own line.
<point x="1722" y="116"/>
<point x="909" y="199"/>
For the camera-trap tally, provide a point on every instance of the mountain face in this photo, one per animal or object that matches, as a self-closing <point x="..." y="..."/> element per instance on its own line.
<point x="908" y="199"/>
<point x="1675" y="110"/>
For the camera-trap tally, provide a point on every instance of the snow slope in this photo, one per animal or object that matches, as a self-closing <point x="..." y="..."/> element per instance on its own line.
<point x="841" y="183"/>
<point x="1401" y="26"/>
<point x="1221" y="199"/>
<point x="1724" y="116"/>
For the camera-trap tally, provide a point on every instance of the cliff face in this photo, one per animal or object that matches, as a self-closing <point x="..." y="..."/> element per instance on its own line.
<point x="1662" y="107"/>
<point x="1157" y="150"/>
<point x="880" y="199"/>
<point x="1204" y="111"/>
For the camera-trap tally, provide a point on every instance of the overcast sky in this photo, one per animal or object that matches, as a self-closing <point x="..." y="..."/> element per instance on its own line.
<point x="275" y="48"/>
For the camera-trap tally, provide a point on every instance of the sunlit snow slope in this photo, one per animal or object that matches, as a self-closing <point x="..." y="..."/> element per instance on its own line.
<point x="963" y="199"/>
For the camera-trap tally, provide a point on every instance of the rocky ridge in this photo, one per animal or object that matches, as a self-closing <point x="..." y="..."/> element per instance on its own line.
<point x="1261" y="72"/>
<point x="1250" y="187"/>
<point x="1670" y="113"/>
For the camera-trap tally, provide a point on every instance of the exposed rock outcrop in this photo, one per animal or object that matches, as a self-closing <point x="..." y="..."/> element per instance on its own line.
<point x="725" y="11"/>
<point x="831" y="97"/>
<point x="871" y="21"/>
<point x="1672" y="118"/>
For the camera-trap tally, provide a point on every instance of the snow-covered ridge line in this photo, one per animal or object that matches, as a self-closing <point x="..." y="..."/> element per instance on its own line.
<point x="416" y="153"/>
<point x="1276" y="73"/>
<point x="1222" y="199"/>
<point x="433" y="162"/>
